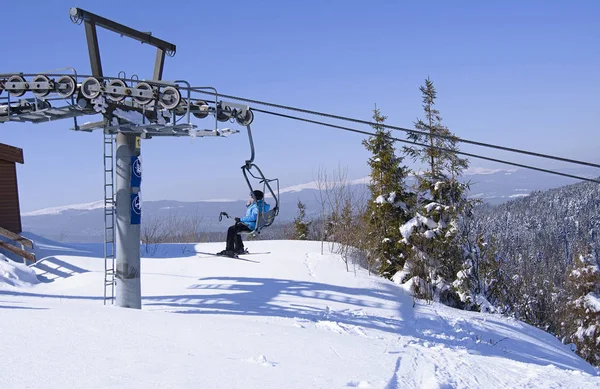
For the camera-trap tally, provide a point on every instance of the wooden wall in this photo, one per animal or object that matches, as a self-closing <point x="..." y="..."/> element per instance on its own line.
<point x="10" y="214"/>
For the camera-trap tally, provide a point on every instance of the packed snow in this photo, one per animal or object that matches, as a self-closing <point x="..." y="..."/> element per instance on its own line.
<point x="284" y="317"/>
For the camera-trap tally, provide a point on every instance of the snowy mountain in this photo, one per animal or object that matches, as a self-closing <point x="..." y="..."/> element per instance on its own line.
<point x="286" y="317"/>
<point x="84" y="222"/>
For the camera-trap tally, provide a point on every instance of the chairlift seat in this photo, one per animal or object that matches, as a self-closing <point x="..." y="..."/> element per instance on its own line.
<point x="263" y="220"/>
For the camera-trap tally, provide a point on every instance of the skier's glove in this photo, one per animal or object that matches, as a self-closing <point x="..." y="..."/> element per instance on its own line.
<point x="237" y="219"/>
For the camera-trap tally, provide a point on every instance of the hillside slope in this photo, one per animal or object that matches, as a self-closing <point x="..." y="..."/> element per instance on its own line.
<point x="285" y="317"/>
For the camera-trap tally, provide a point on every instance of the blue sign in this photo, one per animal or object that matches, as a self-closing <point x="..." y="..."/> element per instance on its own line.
<point x="136" y="172"/>
<point x="136" y="209"/>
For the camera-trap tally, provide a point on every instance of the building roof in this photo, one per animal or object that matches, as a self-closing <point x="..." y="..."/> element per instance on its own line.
<point x="11" y="153"/>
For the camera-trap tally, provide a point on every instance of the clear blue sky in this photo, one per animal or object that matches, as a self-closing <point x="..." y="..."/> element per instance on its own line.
<point x="520" y="74"/>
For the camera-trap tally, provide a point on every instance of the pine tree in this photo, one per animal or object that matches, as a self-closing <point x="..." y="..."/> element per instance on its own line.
<point x="439" y="182"/>
<point x="301" y="226"/>
<point x="389" y="202"/>
<point x="436" y="257"/>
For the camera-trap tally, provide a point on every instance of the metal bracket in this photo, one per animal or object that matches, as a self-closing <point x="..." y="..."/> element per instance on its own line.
<point x="91" y="20"/>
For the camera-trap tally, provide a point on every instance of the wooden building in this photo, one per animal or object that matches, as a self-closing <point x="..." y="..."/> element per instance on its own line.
<point x="10" y="213"/>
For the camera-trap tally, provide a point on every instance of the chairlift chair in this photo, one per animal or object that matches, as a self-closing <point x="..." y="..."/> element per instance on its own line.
<point x="264" y="219"/>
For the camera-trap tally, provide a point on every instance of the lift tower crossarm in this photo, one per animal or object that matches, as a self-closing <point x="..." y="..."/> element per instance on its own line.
<point x="79" y="14"/>
<point x="91" y="20"/>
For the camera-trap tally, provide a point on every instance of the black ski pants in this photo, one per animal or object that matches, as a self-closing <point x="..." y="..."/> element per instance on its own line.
<point x="234" y="240"/>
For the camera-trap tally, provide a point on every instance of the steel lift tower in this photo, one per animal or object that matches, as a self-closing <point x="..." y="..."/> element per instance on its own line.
<point x="131" y="110"/>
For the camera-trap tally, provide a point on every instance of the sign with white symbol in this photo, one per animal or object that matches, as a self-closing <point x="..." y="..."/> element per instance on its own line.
<point x="136" y="172"/>
<point x="136" y="208"/>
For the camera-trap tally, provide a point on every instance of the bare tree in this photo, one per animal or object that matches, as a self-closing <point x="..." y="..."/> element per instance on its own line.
<point x="342" y="211"/>
<point x="321" y="182"/>
<point x="151" y="235"/>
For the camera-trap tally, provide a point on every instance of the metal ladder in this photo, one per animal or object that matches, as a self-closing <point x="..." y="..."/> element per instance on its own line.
<point x="109" y="218"/>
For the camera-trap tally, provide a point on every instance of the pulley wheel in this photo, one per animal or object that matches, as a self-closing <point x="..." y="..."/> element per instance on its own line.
<point x="202" y="109"/>
<point x="37" y="88"/>
<point x="138" y="97"/>
<point x="245" y="120"/>
<point x="111" y="91"/>
<point x="90" y="88"/>
<point x="223" y="113"/>
<point x="181" y="109"/>
<point x="170" y="97"/>
<point x="65" y="86"/>
<point x="12" y="88"/>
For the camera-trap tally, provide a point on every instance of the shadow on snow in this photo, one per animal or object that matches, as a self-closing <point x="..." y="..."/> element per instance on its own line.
<point x="487" y="335"/>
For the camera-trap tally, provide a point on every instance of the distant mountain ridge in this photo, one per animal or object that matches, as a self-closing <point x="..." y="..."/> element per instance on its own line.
<point x="84" y="222"/>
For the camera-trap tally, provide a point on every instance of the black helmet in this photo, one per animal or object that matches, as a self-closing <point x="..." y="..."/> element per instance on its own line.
<point x="258" y="195"/>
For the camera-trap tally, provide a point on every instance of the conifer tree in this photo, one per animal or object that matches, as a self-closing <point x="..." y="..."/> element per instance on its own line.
<point x="388" y="205"/>
<point x="436" y="257"/>
<point x="439" y="182"/>
<point x="301" y="226"/>
<point x="581" y="319"/>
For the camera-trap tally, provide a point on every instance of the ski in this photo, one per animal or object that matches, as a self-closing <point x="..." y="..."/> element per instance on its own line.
<point x="226" y="256"/>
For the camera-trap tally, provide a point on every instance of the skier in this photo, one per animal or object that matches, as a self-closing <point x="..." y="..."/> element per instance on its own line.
<point x="247" y="223"/>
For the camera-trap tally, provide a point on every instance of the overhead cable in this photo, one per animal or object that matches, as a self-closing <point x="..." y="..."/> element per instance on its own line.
<point x="454" y="138"/>
<point x="426" y="145"/>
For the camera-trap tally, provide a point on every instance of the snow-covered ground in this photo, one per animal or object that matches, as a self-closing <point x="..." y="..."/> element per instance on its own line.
<point x="286" y="317"/>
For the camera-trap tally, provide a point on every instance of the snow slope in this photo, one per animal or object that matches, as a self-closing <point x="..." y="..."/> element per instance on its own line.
<point x="286" y="317"/>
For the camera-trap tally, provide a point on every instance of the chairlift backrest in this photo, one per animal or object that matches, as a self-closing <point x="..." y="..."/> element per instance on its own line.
<point x="266" y="219"/>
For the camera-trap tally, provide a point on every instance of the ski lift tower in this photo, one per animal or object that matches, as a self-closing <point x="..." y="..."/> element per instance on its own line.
<point x="131" y="109"/>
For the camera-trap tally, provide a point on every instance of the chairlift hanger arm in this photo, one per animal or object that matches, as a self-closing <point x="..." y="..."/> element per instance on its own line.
<point x="250" y="162"/>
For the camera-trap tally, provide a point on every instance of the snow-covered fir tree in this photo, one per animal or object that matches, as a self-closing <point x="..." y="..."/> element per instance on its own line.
<point x="581" y="324"/>
<point x="436" y="258"/>
<point x="388" y="206"/>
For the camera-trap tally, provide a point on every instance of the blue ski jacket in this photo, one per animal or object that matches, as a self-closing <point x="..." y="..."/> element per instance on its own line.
<point x="252" y="213"/>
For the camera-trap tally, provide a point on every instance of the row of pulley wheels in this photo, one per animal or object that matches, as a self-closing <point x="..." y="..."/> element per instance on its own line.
<point x="116" y="90"/>
<point x="41" y="86"/>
